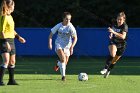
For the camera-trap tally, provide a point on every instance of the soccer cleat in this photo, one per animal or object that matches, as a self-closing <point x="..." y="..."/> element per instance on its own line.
<point x="103" y="71"/>
<point x="63" y="78"/>
<point x="12" y="82"/>
<point x="106" y="74"/>
<point x="56" y="68"/>
<point x="2" y="84"/>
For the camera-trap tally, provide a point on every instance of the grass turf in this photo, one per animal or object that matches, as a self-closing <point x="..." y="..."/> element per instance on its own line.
<point x="35" y="74"/>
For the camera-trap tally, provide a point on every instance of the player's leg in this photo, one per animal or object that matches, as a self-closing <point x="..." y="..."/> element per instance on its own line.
<point x="58" y="62"/>
<point x="112" y="50"/>
<point x="11" y="70"/>
<point x="5" y="59"/>
<point x="56" y="67"/>
<point x="67" y="54"/>
<point x="111" y="66"/>
<point x="115" y="59"/>
<point x="67" y="60"/>
<point x="62" y="64"/>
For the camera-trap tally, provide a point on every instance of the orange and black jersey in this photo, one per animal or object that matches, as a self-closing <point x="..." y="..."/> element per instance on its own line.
<point x="120" y="29"/>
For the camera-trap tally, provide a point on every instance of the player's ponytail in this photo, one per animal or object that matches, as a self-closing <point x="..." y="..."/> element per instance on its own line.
<point x="5" y="6"/>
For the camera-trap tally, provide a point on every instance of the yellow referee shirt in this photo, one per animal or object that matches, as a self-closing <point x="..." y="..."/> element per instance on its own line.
<point x="7" y="26"/>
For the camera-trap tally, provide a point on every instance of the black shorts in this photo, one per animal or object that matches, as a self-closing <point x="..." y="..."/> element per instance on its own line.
<point x="3" y="48"/>
<point x="121" y="46"/>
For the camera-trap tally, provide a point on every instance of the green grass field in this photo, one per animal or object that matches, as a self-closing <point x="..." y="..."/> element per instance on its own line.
<point x="36" y="75"/>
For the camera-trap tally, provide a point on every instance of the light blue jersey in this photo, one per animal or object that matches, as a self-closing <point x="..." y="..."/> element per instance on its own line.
<point x="64" y="36"/>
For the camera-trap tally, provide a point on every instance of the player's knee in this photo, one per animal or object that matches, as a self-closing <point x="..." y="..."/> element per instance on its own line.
<point x="12" y="62"/>
<point x="112" y="54"/>
<point x="63" y="59"/>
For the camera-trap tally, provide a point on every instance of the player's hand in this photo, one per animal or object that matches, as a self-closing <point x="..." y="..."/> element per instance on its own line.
<point x="110" y="30"/>
<point x="110" y="36"/>
<point x="22" y="40"/>
<point x="50" y="46"/>
<point x="71" y="50"/>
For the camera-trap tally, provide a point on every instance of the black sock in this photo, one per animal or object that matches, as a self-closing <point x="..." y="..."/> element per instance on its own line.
<point x="109" y="59"/>
<point x="2" y="72"/>
<point x="11" y="73"/>
<point x="111" y="66"/>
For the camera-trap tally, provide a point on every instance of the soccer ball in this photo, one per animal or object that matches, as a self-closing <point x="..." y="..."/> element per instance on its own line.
<point x="82" y="77"/>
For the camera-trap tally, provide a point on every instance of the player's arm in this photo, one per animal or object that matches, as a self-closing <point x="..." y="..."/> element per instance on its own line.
<point x="73" y="44"/>
<point x="111" y="35"/>
<point x="122" y="36"/>
<point x="53" y="31"/>
<point x="3" y="25"/>
<point x="21" y="39"/>
<point x="50" y="41"/>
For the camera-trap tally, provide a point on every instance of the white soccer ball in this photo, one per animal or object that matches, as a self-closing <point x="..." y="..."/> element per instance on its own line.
<point x="83" y="77"/>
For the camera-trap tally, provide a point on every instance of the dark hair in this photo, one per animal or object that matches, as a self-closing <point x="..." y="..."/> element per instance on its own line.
<point x="65" y="14"/>
<point x="5" y="6"/>
<point x="122" y="14"/>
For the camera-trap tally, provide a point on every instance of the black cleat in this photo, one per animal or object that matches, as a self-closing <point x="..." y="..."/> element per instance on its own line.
<point x="63" y="78"/>
<point x="12" y="82"/>
<point x="2" y="84"/>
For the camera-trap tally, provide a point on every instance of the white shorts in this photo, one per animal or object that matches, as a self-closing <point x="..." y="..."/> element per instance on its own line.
<point x="66" y="50"/>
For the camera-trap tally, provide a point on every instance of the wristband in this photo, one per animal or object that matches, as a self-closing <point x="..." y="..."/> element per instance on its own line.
<point x="17" y="36"/>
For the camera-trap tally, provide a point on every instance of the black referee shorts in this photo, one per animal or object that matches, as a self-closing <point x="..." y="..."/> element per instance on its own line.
<point x="3" y="48"/>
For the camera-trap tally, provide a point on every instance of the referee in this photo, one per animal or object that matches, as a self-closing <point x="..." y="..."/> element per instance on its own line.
<point x="7" y="45"/>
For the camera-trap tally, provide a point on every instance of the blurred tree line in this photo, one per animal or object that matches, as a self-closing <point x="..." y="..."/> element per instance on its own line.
<point x="85" y="13"/>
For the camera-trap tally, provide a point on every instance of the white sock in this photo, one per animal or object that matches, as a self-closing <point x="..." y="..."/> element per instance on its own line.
<point x="59" y="63"/>
<point x="60" y="66"/>
<point x="63" y="69"/>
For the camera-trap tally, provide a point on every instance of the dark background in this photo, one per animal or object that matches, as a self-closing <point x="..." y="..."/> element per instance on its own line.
<point x="86" y="13"/>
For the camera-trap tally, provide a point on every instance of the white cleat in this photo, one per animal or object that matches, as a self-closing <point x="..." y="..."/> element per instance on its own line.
<point x="103" y="71"/>
<point x="106" y="74"/>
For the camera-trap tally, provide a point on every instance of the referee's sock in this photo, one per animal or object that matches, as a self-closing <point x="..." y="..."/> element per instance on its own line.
<point x="11" y="81"/>
<point x="11" y="69"/>
<point x="2" y="72"/>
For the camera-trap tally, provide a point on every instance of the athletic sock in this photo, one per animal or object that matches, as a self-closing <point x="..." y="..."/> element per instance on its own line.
<point x="58" y="63"/>
<point x="63" y="69"/>
<point x="11" y="72"/>
<point x="109" y="59"/>
<point x="2" y="72"/>
<point x="60" y="66"/>
<point x="111" y="66"/>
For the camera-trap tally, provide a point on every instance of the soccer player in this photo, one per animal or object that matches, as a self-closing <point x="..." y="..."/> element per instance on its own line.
<point x="118" y="34"/>
<point x="7" y="46"/>
<point x="64" y="43"/>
